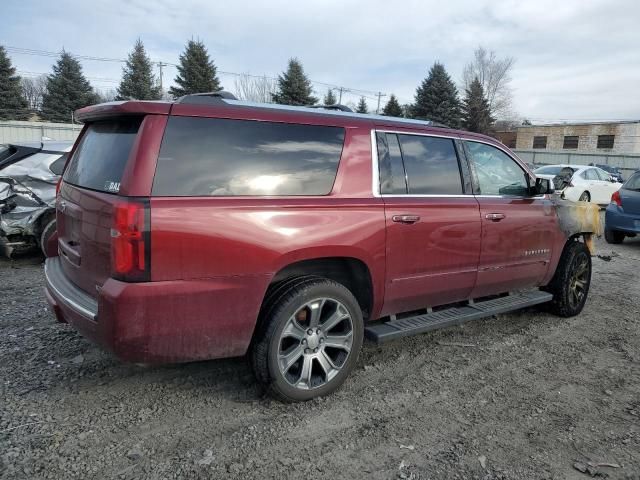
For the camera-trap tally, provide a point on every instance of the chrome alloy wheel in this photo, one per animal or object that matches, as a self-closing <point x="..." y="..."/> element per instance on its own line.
<point x="315" y="343"/>
<point x="578" y="282"/>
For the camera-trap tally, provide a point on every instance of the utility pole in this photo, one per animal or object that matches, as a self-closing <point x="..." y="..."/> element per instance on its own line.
<point x="160" y="65"/>
<point x="341" y="90"/>
<point x="379" y="95"/>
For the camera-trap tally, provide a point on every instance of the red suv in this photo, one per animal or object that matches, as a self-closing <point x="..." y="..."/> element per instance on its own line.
<point x="210" y="227"/>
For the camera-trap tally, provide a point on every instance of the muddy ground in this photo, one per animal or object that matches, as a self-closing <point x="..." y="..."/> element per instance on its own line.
<point x="524" y="396"/>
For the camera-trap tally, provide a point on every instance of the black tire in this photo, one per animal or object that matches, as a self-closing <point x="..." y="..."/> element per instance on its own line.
<point x="285" y="300"/>
<point x="613" y="236"/>
<point x="568" y="296"/>
<point x="48" y="230"/>
<point x="585" y="197"/>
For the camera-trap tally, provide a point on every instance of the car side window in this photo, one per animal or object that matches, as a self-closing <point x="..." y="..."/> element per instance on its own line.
<point x="602" y="175"/>
<point x="497" y="172"/>
<point x="431" y="165"/>
<point x="590" y="174"/>
<point x="391" y="169"/>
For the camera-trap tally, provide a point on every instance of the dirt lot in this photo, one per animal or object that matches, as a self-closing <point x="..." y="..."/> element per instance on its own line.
<point x="525" y="395"/>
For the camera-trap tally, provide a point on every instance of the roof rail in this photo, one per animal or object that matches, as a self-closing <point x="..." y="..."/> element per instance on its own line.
<point x="342" y="108"/>
<point x="207" y="98"/>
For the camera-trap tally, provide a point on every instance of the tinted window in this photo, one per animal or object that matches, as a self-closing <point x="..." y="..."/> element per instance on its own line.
<point x="633" y="183"/>
<point x="58" y="165"/>
<point x="431" y="164"/>
<point x="217" y="157"/>
<point x="497" y="172"/>
<point x="392" y="177"/>
<point x="101" y="155"/>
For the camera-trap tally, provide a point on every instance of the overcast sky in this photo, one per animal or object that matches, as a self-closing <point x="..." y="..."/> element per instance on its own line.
<point x="575" y="60"/>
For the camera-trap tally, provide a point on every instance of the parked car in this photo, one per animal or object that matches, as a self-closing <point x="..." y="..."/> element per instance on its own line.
<point x="622" y="218"/>
<point x="613" y="171"/>
<point x="29" y="173"/>
<point x="587" y="184"/>
<point x="210" y="227"/>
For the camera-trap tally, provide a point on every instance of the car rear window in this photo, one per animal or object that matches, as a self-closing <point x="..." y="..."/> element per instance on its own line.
<point x="633" y="183"/>
<point x="101" y="156"/>
<point x="553" y="170"/>
<point x="221" y="157"/>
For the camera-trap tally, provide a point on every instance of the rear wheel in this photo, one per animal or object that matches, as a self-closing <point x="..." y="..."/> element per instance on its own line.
<point x="585" y="197"/>
<point x="613" y="236"/>
<point x="570" y="284"/>
<point x="309" y="339"/>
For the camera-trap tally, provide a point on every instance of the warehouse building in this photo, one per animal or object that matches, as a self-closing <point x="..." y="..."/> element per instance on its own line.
<point x="602" y="138"/>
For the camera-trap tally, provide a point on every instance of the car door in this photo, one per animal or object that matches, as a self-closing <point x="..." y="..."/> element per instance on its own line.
<point x="596" y="187"/>
<point x="608" y="185"/>
<point x="517" y="228"/>
<point x="432" y="221"/>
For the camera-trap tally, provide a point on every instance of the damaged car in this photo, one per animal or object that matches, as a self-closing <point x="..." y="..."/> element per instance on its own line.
<point x="29" y="174"/>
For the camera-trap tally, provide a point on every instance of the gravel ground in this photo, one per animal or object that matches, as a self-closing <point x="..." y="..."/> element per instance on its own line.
<point x="525" y="396"/>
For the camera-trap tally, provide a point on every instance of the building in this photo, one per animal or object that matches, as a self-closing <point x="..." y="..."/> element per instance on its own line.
<point x="601" y="138"/>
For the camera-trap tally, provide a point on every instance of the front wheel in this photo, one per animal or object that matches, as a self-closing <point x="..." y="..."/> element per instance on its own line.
<point x="570" y="284"/>
<point x="309" y="340"/>
<point x="585" y="197"/>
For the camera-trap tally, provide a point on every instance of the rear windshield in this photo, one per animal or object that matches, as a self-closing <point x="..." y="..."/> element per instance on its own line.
<point x="102" y="154"/>
<point x="633" y="183"/>
<point x="552" y="170"/>
<point x="220" y="157"/>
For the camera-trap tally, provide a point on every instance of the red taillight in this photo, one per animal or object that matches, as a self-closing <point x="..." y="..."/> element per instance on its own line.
<point x="615" y="198"/>
<point x="130" y="241"/>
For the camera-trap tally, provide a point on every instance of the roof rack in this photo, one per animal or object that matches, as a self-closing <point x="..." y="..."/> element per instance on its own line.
<point x="336" y="106"/>
<point x="207" y="98"/>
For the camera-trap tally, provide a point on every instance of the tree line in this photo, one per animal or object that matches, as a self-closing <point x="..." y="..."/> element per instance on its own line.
<point x="55" y="96"/>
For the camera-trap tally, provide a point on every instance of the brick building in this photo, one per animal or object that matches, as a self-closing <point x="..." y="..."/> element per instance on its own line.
<point x="612" y="137"/>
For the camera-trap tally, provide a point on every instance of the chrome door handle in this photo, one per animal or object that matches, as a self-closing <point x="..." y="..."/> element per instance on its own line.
<point x="495" y="217"/>
<point x="405" y="218"/>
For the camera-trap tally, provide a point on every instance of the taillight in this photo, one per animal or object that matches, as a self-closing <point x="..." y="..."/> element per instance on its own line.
<point x="130" y="241"/>
<point x="616" y="198"/>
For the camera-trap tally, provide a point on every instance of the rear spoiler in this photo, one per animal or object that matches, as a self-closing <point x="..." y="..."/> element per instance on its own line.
<point x="119" y="109"/>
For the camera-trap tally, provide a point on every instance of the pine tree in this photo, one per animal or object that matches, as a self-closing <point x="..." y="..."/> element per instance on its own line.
<point x="294" y="88"/>
<point x="196" y="72"/>
<point x="138" y="81"/>
<point x="437" y="98"/>
<point x="330" y="98"/>
<point x="13" y="105"/>
<point x="476" y="113"/>
<point x="67" y="90"/>
<point x="392" y="108"/>
<point x="362" y="106"/>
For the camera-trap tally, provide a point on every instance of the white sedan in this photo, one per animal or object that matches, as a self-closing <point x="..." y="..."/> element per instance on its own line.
<point x="588" y="184"/>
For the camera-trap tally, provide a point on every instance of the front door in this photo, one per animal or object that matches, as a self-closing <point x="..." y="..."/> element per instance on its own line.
<point x="433" y="226"/>
<point x="517" y="228"/>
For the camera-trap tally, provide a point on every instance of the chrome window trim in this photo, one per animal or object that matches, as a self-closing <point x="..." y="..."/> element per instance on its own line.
<point x="375" y="173"/>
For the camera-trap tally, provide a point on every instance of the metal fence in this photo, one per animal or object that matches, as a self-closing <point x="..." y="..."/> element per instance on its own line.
<point x="16" y="132"/>
<point x="626" y="163"/>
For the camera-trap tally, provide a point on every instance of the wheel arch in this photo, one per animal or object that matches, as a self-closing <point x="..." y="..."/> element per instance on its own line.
<point x="352" y="272"/>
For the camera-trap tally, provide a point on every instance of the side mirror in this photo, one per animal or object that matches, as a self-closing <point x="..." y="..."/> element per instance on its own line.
<point x="543" y="187"/>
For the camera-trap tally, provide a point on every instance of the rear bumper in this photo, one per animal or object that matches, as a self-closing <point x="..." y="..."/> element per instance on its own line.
<point x="617" y="219"/>
<point x="161" y="322"/>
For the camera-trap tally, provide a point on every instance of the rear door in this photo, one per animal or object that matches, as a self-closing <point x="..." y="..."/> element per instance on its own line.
<point x="89" y="191"/>
<point x="432" y="221"/>
<point x="517" y="229"/>
<point x="608" y="186"/>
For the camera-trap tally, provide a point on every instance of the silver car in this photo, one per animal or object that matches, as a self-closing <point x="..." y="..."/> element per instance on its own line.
<point x="28" y="177"/>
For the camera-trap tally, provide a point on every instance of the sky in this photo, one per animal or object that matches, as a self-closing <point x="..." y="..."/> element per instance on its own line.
<point x="576" y="60"/>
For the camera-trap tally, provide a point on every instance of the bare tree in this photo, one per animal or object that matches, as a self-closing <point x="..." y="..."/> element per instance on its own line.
<point x="255" y="89"/>
<point x="33" y="88"/>
<point x="107" y="95"/>
<point x="494" y="75"/>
